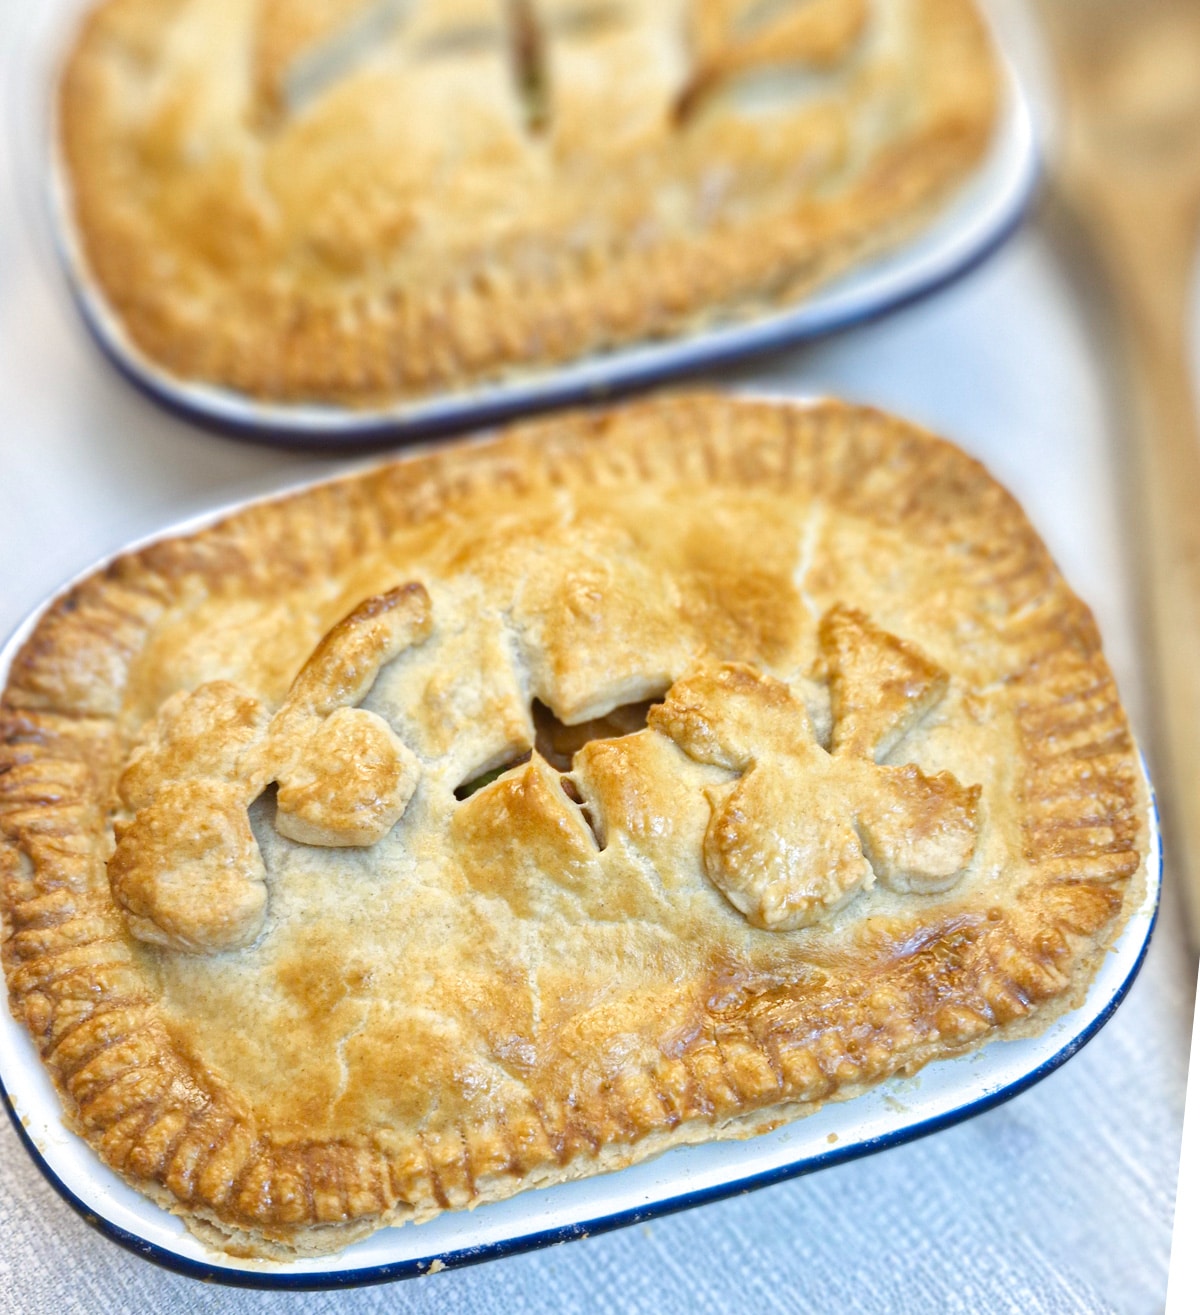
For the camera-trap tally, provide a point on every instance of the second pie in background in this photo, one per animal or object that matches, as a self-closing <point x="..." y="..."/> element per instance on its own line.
<point x="361" y="202"/>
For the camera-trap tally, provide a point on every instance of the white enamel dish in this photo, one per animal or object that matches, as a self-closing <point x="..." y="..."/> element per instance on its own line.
<point x="985" y="211"/>
<point x="897" y="1111"/>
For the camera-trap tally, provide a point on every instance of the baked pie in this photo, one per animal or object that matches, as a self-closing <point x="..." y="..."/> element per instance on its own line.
<point x="518" y="811"/>
<point x="359" y="201"/>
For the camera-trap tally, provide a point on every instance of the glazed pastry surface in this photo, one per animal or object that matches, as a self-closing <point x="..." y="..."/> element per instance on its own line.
<point x="512" y="812"/>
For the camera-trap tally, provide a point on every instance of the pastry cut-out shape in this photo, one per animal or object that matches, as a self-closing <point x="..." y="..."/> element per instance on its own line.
<point x="187" y="869"/>
<point x="804" y="829"/>
<point x="344" y="776"/>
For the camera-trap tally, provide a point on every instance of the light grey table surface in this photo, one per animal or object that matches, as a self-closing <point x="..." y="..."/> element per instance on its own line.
<point x="1059" y="1201"/>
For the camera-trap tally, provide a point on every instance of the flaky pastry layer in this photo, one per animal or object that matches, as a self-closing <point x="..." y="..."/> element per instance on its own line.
<point x="579" y="962"/>
<point x="371" y="200"/>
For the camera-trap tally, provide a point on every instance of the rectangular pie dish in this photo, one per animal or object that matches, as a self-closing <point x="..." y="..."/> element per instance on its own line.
<point x="975" y="222"/>
<point x="896" y="1110"/>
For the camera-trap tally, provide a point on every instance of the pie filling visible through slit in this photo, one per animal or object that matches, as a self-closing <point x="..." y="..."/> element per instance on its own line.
<point x="520" y="810"/>
<point x="361" y="201"/>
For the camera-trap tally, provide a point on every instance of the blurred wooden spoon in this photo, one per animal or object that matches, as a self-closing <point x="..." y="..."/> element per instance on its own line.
<point x="1130" y="173"/>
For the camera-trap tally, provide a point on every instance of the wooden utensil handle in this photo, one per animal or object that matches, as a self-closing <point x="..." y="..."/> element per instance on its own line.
<point x="1150" y="257"/>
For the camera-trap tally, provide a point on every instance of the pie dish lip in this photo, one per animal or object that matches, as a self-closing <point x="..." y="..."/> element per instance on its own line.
<point x="980" y="217"/>
<point x="944" y="1093"/>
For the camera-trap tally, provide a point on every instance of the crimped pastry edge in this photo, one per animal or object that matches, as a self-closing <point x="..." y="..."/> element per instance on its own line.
<point x="330" y="1239"/>
<point x="586" y="436"/>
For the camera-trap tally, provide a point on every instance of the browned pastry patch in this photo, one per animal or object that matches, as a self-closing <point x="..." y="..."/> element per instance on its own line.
<point x="717" y="759"/>
<point x="360" y="201"/>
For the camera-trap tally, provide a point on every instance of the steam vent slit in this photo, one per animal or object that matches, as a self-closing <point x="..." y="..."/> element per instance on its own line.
<point x="558" y="744"/>
<point x="476" y="783"/>
<point x="531" y="74"/>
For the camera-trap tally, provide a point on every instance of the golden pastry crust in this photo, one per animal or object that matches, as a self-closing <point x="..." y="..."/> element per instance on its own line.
<point x="362" y="201"/>
<point x="550" y="973"/>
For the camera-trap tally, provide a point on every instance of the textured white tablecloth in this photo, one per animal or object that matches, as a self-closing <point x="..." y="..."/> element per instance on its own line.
<point x="1060" y="1201"/>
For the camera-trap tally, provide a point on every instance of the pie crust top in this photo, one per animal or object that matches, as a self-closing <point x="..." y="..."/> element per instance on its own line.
<point x="515" y="811"/>
<point x="361" y="201"/>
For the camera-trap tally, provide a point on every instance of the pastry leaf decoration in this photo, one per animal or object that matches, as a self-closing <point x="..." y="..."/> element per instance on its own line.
<point x="187" y="868"/>
<point x="804" y="829"/>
